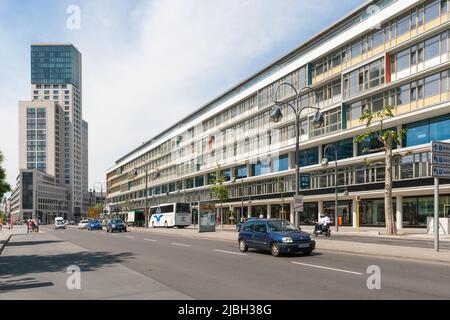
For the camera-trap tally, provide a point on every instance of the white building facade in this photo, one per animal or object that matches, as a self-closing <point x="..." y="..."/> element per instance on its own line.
<point x="387" y="52"/>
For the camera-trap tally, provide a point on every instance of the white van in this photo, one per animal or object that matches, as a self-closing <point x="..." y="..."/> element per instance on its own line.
<point x="59" y="223"/>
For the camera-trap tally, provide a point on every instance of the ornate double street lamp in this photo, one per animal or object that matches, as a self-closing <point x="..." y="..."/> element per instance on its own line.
<point x="318" y="120"/>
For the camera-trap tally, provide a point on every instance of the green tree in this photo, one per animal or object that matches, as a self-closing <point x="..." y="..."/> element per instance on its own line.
<point x="374" y="121"/>
<point x="99" y="208"/>
<point x="4" y="186"/>
<point x="220" y="192"/>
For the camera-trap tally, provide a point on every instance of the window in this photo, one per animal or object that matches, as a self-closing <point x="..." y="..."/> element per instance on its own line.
<point x="403" y="60"/>
<point x="403" y="25"/>
<point x="260" y="227"/>
<point x="309" y="157"/>
<point x="356" y="49"/>
<point x="443" y="6"/>
<point x="280" y="164"/>
<point x="432" y="48"/>
<point x="248" y="227"/>
<point x="423" y="132"/>
<point x="241" y="172"/>
<point x="431" y="10"/>
<point x="432" y="85"/>
<point x="403" y="95"/>
<point x="344" y="150"/>
<point x="378" y="38"/>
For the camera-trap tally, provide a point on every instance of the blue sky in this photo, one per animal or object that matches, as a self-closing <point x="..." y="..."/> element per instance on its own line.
<point x="146" y="64"/>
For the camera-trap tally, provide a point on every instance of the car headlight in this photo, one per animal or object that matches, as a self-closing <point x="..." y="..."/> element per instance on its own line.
<point x="287" y="240"/>
<point x="113" y="225"/>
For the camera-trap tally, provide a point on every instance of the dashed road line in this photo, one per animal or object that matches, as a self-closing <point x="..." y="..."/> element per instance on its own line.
<point x="326" y="268"/>
<point x="230" y="252"/>
<point x="151" y="240"/>
<point x="180" y="244"/>
<point x="129" y="237"/>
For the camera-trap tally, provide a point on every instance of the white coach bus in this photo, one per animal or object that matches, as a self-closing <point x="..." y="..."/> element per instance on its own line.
<point x="171" y="215"/>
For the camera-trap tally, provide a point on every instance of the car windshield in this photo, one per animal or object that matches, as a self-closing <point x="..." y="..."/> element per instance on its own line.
<point x="95" y="221"/>
<point x="117" y="221"/>
<point x="281" y="225"/>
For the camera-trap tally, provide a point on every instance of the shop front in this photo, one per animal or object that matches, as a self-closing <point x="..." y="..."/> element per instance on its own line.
<point x="344" y="212"/>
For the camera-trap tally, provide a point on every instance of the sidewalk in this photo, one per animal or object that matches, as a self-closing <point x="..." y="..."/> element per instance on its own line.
<point x="5" y="234"/>
<point x="324" y="244"/>
<point x="34" y="266"/>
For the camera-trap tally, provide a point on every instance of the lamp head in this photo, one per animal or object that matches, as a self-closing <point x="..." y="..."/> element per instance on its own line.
<point x="324" y="162"/>
<point x="276" y="114"/>
<point x="318" y="119"/>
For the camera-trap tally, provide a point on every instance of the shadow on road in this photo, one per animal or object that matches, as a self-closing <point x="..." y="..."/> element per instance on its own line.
<point x="31" y="243"/>
<point x="25" y="283"/>
<point x="16" y="266"/>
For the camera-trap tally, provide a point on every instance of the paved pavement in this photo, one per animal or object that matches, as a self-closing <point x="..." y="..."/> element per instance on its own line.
<point x="6" y="233"/>
<point x="205" y="268"/>
<point x="35" y="266"/>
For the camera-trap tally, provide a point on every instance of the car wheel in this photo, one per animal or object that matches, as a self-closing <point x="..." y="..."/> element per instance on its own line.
<point x="125" y="230"/>
<point x="274" y="249"/>
<point x="307" y="253"/>
<point x="166" y="225"/>
<point x="243" y="245"/>
<point x="153" y="225"/>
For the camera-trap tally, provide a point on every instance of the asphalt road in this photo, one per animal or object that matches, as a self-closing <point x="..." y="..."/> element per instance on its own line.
<point x="209" y="269"/>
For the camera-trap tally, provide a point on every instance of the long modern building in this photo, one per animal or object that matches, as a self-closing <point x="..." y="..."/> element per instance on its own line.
<point x="53" y="137"/>
<point x="385" y="52"/>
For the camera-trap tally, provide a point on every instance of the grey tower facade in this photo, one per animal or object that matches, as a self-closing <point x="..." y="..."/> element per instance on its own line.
<point x="56" y="75"/>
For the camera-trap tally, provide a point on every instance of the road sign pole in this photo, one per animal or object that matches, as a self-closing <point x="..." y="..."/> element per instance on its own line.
<point x="436" y="214"/>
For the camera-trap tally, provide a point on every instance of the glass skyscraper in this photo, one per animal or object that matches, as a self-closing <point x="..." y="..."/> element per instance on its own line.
<point x="55" y="64"/>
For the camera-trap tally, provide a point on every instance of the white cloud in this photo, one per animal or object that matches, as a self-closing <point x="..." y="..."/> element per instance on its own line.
<point x="148" y="64"/>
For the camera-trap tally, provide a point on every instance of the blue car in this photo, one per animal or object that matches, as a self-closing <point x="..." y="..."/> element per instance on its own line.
<point x="94" y="225"/>
<point x="116" y="225"/>
<point x="240" y="224"/>
<point x="275" y="235"/>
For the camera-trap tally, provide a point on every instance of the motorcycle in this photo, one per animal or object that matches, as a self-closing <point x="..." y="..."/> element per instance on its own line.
<point x="326" y="231"/>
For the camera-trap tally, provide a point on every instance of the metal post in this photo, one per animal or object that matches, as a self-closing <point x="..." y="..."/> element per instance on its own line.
<point x="297" y="164"/>
<point x="146" y="196"/>
<point x="242" y="200"/>
<point x="336" y="218"/>
<point x="436" y="214"/>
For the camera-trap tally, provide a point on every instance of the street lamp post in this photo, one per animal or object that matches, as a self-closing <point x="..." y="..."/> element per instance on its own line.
<point x="317" y="121"/>
<point x="242" y="198"/>
<point x="101" y="196"/>
<point x="325" y="163"/>
<point x="156" y="174"/>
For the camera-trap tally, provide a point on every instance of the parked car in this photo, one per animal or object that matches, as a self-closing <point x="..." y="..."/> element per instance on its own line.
<point x="116" y="225"/>
<point x="83" y="224"/>
<point x="275" y="235"/>
<point x="94" y="225"/>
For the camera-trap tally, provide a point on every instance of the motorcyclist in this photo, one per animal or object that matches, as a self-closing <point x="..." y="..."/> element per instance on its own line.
<point x="323" y="222"/>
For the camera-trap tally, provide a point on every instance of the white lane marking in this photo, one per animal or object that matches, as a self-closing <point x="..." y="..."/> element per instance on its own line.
<point x="230" y="252"/>
<point x="150" y="240"/>
<point x="129" y="237"/>
<point x="180" y="244"/>
<point x="327" y="268"/>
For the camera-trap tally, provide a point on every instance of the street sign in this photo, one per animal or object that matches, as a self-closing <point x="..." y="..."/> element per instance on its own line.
<point x="441" y="148"/>
<point x="441" y="160"/>
<point x="441" y="172"/>
<point x="298" y="203"/>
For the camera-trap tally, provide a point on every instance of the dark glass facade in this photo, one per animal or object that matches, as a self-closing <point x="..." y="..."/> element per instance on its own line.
<point x="27" y="190"/>
<point x="55" y="64"/>
<point x="344" y="150"/>
<point x="309" y="157"/>
<point x="422" y="132"/>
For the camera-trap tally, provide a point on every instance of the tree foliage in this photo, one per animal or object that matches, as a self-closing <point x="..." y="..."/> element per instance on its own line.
<point x="4" y="186"/>
<point x="375" y="123"/>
